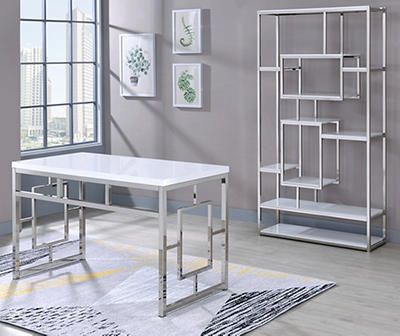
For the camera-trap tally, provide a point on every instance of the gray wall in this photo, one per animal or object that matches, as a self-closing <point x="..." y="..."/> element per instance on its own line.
<point x="9" y="98"/>
<point x="224" y="131"/>
<point x="127" y="133"/>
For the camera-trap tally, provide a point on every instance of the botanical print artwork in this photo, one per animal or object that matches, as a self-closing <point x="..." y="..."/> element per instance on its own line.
<point x="189" y="94"/>
<point x="137" y="65"/>
<point x="187" y="31"/>
<point x="187" y="89"/>
<point x="187" y="40"/>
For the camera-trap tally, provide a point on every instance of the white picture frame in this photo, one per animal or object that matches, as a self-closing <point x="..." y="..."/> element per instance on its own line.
<point x="187" y="31"/>
<point x="137" y="65"/>
<point x="187" y="89"/>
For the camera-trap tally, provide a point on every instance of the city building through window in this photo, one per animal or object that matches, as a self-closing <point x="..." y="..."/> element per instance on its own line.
<point x="59" y="73"/>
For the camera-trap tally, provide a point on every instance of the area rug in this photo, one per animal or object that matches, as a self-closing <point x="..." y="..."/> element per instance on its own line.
<point x="114" y="292"/>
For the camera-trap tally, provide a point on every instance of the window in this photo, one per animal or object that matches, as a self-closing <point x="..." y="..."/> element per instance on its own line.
<point x="59" y="73"/>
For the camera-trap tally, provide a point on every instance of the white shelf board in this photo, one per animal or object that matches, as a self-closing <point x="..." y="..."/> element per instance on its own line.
<point x="307" y="182"/>
<point x="351" y="97"/>
<point x="331" y="210"/>
<point x="318" y="56"/>
<point x="277" y="69"/>
<point x="350" y="136"/>
<point x="312" y="97"/>
<point x="324" y="236"/>
<point x="303" y="11"/>
<point x="276" y="168"/>
<point x="354" y="69"/>
<point x="269" y="69"/>
<point x="363" y="69"/>
<point x="309" y="121"/>
<point x="347" y="69"/>
<point x="317" y="97"/>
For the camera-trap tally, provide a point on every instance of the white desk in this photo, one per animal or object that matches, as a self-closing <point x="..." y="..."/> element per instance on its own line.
<point x="130" y="172"/>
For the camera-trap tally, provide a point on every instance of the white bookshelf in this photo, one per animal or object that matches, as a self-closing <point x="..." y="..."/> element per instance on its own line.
<point x="291" y="175"/>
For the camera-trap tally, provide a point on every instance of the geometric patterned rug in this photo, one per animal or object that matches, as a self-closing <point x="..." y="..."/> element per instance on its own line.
<point x="31" y="256"/>
<point x="114" y="293"/>
<point x="62" y="321"/>
<point x="245" y="312"/>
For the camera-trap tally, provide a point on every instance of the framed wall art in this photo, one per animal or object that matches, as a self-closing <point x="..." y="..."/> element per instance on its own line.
<point x="137" y="65"/>
<point x="187" y="31"/>
<point x="187" y="85"/>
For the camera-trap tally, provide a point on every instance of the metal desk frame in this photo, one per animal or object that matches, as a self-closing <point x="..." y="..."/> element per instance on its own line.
<point x="61" y="182"/>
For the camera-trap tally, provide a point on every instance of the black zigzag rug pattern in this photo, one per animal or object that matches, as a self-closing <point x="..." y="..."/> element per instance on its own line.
<point x="247" y="311"/>
<point x="31" y="256"/>
<point x="62" y="321"/>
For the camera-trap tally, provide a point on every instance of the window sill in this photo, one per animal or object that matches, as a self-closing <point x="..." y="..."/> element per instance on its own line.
<point x="61" y="150"/>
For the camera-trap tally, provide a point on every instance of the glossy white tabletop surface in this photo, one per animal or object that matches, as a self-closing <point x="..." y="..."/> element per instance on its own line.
<point x="132" y="170"/>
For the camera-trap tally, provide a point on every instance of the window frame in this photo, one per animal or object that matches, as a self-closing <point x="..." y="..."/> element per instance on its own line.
<point x="70" y="62"/>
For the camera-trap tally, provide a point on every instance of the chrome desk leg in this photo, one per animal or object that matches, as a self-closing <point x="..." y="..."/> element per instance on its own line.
<point x="108" y="194"/>
<point x="194" y="273"/>
<point x="16" y="222"/>
<point x="162" y="253"/>
<point x="225" y="244"/>
<point x="66" y="212"/>
<point x="164" y="308"/>
<point x="62" y="192"/>
<point x="82" y="223"/>
<point x="34" y="221"/>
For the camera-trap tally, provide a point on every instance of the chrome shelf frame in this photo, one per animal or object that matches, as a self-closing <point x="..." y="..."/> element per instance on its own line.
<point x="338" y="57"/>
<point x="315" y="208"/>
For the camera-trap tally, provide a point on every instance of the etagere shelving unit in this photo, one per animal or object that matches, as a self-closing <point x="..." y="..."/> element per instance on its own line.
<point x="359" y="65"/>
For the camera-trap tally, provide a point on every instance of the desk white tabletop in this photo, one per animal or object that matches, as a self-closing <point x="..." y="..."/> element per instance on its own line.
<point x="125" y="169"/>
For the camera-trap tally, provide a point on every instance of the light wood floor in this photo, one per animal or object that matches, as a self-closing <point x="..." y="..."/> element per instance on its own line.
<point x="366" y="300"/>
